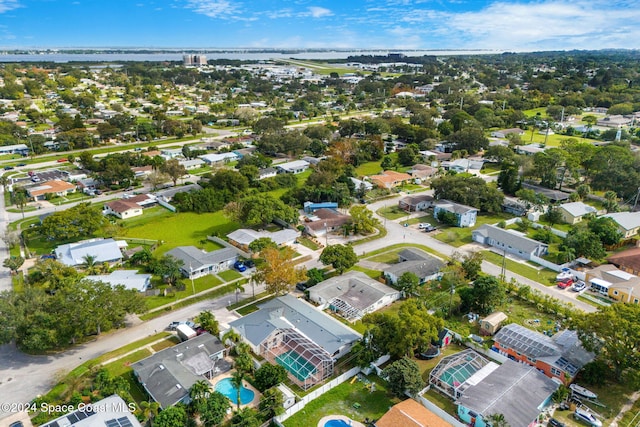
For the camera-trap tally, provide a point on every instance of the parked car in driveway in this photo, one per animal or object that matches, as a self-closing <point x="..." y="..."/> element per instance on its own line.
<point x="555" y="423"/>
<point x="579" y="286"/>
<point x="239" y="265"/>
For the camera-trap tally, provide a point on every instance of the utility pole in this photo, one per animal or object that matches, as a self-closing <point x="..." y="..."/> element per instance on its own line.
<point x="504" y="262"/>
<point x="193" y="287"/>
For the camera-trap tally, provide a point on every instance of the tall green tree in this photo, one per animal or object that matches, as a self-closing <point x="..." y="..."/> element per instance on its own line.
<point x="215" y="409"/>
<point x="173" y="416"/>
<point x="237" y="379"/>
<point x="409" y="283"/>
<point x="362" y="220"/>
<point x="613" y="333"/>
<point x="278" y="271"/>
<point x="404" y="375"/>
<point x="269" y="375"/>
<point x="341" y="257"/>
<point x="208" y="322"/>
<point x="271" y="403"/>
<point x="174" y="170"/>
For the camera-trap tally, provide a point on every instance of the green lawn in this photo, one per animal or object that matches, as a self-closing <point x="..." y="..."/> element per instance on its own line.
<point x="402" y="246"/>
<point x="373" y="168"/>
<point x="200" y="284"/>
<point x="392" y="212"/>
<point x="229" y="275"/>
<point x="180" y="229"/>
<point x="545" y="276"/>
<point x="390" y="257"/>
<point x="456" y="236"/>
<point x="340" y="400"/>
<point x="369" y="272"/>
<point x="306" y="242"/>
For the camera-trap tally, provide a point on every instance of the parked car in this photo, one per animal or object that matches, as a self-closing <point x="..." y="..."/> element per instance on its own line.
<point x="301" y="286"/>
<point x="429" y="228"/>
<point x="8" y="168"/>
<point x="173" y="325"/>
<point x="555" y="423"/>
<point x="16" y="424"/>
<point x="35" y="178"/>
<point x="98" y="192"/>
<point x="579" y="286"/>
<point x="239" y="265"/>
<point x="249" y="263"/>
<point x="587" y="417"/>
<point x="21" y="164"/>
<point x="424" y="225"/>
<point x="62" y="160"/>
<point x="564" y="284"/>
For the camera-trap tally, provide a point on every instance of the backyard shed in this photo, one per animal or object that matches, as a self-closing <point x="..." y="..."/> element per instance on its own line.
<point x="490" y="324"/>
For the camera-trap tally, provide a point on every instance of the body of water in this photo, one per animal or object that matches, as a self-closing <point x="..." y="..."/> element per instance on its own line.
<point x="7" y="56"/>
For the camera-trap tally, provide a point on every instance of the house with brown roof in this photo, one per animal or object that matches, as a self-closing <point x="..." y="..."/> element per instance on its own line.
<point x="55" y="187"/>
<point x="390" y="179"/>
<point x="410" y="413"/>
<point x="628" y="260"/>
<point x="128" y="207"/>
<point x="324" y="221"/>
<point x="416" y="202"/>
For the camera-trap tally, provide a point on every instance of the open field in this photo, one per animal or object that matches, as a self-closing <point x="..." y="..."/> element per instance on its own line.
<point x="544" y="276"/>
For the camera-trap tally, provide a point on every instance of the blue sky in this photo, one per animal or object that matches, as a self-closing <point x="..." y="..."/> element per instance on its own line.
<point x="523" y="25"/>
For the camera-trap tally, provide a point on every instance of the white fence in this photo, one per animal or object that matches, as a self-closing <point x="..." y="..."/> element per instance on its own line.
<point x="439" y="412"/>
<point x="166" y="205"/>
<point x="317" y="393"/>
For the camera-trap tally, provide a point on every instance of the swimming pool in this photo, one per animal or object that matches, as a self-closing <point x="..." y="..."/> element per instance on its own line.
<point x="336" y="423"/>
<point x="225" y="387"/>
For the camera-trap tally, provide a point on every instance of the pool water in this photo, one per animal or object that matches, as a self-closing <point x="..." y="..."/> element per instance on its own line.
<point x="336" y="423"/>
<point x="225" y="387"/>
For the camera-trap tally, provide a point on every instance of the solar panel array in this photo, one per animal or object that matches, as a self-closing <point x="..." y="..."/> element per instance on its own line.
<point x="79" y="415"/>
<point x="525" y="341"/>
<point x="564" y="364"/>
<point x="119" y="422"/>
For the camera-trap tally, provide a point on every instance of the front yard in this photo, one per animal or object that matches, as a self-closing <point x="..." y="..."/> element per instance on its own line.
<point x="456" y="236"/>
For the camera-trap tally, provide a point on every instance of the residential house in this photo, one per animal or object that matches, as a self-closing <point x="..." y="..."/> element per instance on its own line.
<point x="628" y="260"/>
<point x="122" y="209"/>
<point x="572" y="213"/>
<point x="311" y="207"/>
<point x="554" y="196"/>
<point x="530" y="149"/>
<point x="416" y="202"/>
<point x="21" y="149"/>
<point x="352" y="295"/>
<point x="615" y="121"/>
<point x="504" y="133"/>
<point x="465" y="215"/>
<point x="54" y="187"/>
<point x="416" y="261"/>
<point x="295" y="167"/>
<point x="517" y="391"/>
<point x="422" y="172"/>
<point x="167" y="195"/>
<point x="103" y="250"/>
<point x="628" y="222"/>
<point x="410" y="413"/>
<point x="130" y="279"/>
<point x="129" y="207"/>
<point x="265" y="173"/>
<point x="171" y="153"/>
<point x="463" y="165"/>
<point x="192" y="163"/>
<point x="617" y="284"/>
<point x="361" y="185"/>
<point x="111" y="411"/>
<point x="560" y="356"/>
<point x="514" y="206"/>
<point x="296" y="335"/>
<point x="243" y="237"/>
<point x="510" y="241"/>
<point x="216" y="159"/>
<point x="198" y="263"/>
<point x="490" y="324"/>
<point x="324" y="221"/>
<point x="169" y="374"/>
<point x="390" y="179"/>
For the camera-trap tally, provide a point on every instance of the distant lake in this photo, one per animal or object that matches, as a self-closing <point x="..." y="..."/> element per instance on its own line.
<point x="237" y="55"/>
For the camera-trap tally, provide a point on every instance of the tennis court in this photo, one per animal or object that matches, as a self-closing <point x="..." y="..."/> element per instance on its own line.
<point x="297" y="365"/>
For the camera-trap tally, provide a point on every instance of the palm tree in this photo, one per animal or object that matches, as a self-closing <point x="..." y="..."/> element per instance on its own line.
<point x="89" y="263"/>
<point x="149" y="410"/>
<point x="20" y="200"/>
<point x="4" y="181"/>
<point x="236" y="380"/>
<point x="497" y="420"/>
<point x="199" y="392"/>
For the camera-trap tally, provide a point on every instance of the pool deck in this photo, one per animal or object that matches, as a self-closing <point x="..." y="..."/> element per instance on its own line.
<point x="256" y="394"/>
<point x="339" y="417"/>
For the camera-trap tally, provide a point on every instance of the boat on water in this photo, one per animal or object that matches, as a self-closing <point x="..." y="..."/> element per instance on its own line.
<point x="583" y="391"/>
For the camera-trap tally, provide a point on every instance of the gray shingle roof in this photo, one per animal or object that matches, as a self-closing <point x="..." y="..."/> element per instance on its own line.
<point x="353" y="287"/>
<point x="513" y="389"/>
<point x="454" y="207"/>
<point x="626" y="220"/>
<point x="290" y="312"/>
<point x="508" y="238"/>
<point x="417" y="262"/>
<point x="195" y="258"/>
<point x="169" y="374"/>
<point x="104" y="250"/>
<point x="577" y="209"/>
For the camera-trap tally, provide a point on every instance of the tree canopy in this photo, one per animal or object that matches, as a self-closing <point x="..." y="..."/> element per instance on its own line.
<point x="341" y="257"/>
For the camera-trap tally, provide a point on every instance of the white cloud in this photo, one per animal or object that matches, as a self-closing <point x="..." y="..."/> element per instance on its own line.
<point x="7" y="5"/>
<point x="319" y="12"/>
<point x="221" y="9"/>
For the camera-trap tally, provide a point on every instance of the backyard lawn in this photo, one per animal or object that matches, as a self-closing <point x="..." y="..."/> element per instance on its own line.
<point x="200" y="284"/>
<point x="392" y="212"/>
<point x="181" y="229"/>
<point x="340" y="401"/>
<point x="545" y="276"/>
<point x="456" y="236"/>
